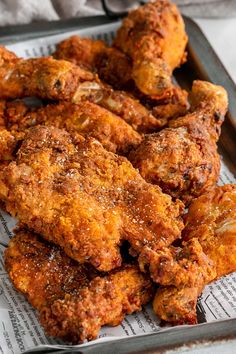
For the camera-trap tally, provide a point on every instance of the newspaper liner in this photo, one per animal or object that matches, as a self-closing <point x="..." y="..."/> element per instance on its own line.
<point x="19" y="327"/>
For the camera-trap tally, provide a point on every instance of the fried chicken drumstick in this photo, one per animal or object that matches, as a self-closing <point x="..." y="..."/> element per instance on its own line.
<point x="73" y="300"/>
<point x="153" y="36"/>
<point x="85" y="118"/>
<point x="60" y="80"/>
<point x="208" y="253"/>
<point x="114" y="68"/>
<point x="183" y="158"/>
<point x="86" y="199"/>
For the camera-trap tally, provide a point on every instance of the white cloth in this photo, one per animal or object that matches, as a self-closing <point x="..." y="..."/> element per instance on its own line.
<point x="26" y="11"/>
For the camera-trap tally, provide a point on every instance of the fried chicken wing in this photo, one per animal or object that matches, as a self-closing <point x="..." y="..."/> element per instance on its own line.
<point x="61" y="80"/>
<point x="183" y="159"/>
<point x="208" y="252"/>
<point x="85" y="118"/>
<point x="86" y="199"/>
<point x="73" y="300"/>
<point x="153" y="35"/>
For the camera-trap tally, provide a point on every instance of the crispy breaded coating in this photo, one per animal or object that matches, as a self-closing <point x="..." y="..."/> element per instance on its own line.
<point x="73" y="300"/>
<point x="80" y="51"/>
<point x="183" y="159"/>
<point x="130" y="109"/>
<point x="112" y="66"/>
<point x="86" y="199"/>
<point x="61" y="80"/>
<point x="42" y="271"/>
<point x="85" y="118"/>
<point x="105" y="301"/>
<point x="8" y="144"/>
<point x="173" y="104"/>
<point x="209" y="235"/>
<point x="209" y="104"/>
<point x="153" y="35"/>
<point x="115" y="68"/>
<point x="41" y="77"/>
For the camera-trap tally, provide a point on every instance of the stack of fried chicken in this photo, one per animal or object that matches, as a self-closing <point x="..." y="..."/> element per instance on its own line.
<point x="101" y="173"/>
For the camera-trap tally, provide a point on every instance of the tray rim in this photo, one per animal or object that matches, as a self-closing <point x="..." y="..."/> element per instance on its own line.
<point x="157" y="342"/>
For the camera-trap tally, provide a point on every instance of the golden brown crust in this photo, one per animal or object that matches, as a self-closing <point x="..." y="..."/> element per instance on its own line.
<point x="211" y="227"/>
<point x="41" y="77"/>
<point x="176" y="306"/>
<point x="130" y="109"/>
<point x="179" y="266"/>
<point x="153" y="35"/>
<point x="85" y="118"/>
<point x="173" y="104"/>
<point x="180" y="165"/>
<point x="115" y="68"/>
<point x="112" y="66"/>
<point x="86" y="199"/>
<point x="183" y="159"/>
<point x="212" y="220"/>
<point x="61" y="80"/>
<point x="73" y="300"/>
<point x="209" y="104"/>
<point x="8" y="144"/>
<point x="80" y="51"/>
<point x="42" y="271"/>
<point x="105" y="301"/>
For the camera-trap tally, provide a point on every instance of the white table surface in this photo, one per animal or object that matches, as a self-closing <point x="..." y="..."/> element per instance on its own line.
<point x="221" y="33"/>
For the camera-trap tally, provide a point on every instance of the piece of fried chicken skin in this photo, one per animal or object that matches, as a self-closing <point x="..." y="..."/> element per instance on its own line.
<point x="153" y="36"/>
<point x="86" y="199"/>
<point x="52" y="79"/>
<point x="207" y="253"/>
<point x="85" y="118"/>
<point x="183" y="158"/>
<point x="73" y="300"/>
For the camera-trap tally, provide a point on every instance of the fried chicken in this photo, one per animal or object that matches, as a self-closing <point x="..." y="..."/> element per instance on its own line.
<point x="115" y="68"/>
<point x="153" y="36"/>
<point x="86" y="199"/>
<point x="174" y="103"/>
<point x="8" y="140"/>
<point x="8" y="144"/>
<point x="80" y="51"/>
<point x="41" y="77"/>
<point x="131" y="110"/>
<point x="85" y="118"/>
<point x="183" y="159"/>
<point x="208" y="252"/>
<point x="73" y="300"/>
<point x="112" y="66"/>
<point x="60" y="80"/>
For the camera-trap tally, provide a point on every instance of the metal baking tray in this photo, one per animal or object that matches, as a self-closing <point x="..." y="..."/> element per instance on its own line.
<point x="202" y="64"/>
